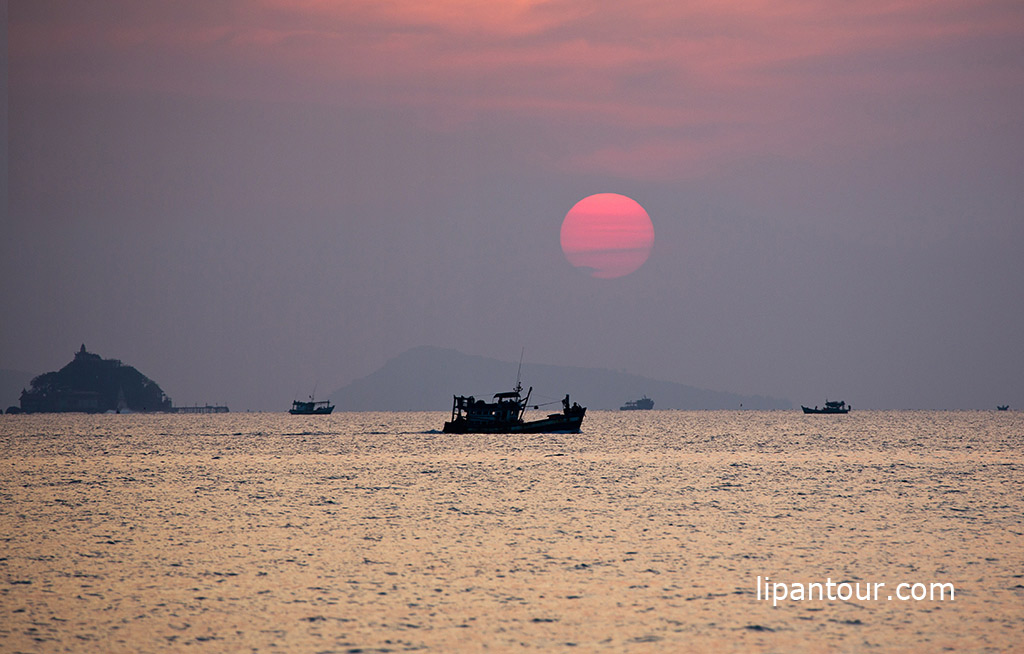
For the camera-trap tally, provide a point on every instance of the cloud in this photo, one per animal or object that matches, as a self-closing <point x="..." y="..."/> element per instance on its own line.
<point x="642" y="87"/>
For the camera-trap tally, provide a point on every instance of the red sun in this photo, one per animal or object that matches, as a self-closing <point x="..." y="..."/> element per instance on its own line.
<point x="607" y="235"/>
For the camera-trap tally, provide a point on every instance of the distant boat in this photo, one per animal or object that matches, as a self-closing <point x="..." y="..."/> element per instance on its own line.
<point x="311" y="408"/>
<point x="643" y="404"/>
<point x="504" y="415"/>
<point x="1003" y="407"/>
<point x="830" y="407"/>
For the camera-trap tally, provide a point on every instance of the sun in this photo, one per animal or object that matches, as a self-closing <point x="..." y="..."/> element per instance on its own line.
<point x="607" y="235"/>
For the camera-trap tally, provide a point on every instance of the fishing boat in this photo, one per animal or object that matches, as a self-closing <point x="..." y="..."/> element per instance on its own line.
<point x="643" y="404"/>
<point x="830" y="407"/>
<point x="1003" y="407"/>
<point x="311" y="408"/>
<point x="504" y="414"/>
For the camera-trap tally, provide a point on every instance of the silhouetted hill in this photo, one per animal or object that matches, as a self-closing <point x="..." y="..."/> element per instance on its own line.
<point x="92" y="384"/>
<point x="425" y="378"/>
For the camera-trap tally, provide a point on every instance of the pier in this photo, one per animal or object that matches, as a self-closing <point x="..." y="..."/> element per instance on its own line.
<point x="206" y="408"/>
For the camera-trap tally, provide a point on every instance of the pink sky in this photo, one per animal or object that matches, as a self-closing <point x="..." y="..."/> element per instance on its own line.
<point x="313" y="187"/>
<point x="678" y="88"/>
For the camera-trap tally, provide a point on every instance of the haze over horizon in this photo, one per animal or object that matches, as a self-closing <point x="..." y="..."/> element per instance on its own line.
<point x="245" y="201"/>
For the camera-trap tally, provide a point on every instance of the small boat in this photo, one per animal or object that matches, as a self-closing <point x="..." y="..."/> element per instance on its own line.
<point x="504" y="415"/>
<point x="311" y="408"/>
<point x="1003" y="407"/>
<point x="830" y="407"/>
<point x="643" y="404"/>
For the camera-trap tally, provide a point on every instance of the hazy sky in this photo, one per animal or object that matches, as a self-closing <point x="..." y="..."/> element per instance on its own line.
<point x="248" y="199"/>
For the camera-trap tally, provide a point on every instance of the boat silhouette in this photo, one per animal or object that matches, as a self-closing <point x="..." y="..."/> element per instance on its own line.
<point x="643" y="404"/>
<point x="311" y="408"/>
<point x="830" y="407"/>
<point x="505" y="415"/>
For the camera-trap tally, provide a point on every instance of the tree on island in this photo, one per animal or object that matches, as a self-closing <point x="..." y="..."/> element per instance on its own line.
<point x="92" y="384"/>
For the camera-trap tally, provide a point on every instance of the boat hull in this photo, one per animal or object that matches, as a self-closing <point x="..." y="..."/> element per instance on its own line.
<point x="810" y="410"/>
<point x="307" y="411"/>
<point x="556" y="423"/>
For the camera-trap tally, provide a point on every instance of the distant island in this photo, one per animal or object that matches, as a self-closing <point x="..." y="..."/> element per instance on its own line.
<point x="92" y="384"/>
<point x="425" y="379"/>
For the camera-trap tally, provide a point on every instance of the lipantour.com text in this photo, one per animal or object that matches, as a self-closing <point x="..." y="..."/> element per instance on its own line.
<point x="846" y="591"/>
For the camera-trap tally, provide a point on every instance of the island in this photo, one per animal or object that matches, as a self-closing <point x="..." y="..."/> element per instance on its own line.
<point x="92" y="384"/>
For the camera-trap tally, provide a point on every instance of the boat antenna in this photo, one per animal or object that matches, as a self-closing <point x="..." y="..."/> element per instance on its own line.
<point x="519" y="386"/>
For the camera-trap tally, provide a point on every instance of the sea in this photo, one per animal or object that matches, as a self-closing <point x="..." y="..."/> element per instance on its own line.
<point x="649" y="531"/>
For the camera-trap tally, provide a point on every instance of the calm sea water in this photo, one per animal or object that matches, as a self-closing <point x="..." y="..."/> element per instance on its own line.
<point x="373" y="532"/>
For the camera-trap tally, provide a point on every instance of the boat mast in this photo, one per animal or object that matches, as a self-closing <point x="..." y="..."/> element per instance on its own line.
<point x="519" y="386"/>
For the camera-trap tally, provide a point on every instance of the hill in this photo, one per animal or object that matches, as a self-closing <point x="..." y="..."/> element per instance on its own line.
<point x="92" y="384"/>
<point x="425" y="379"/>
